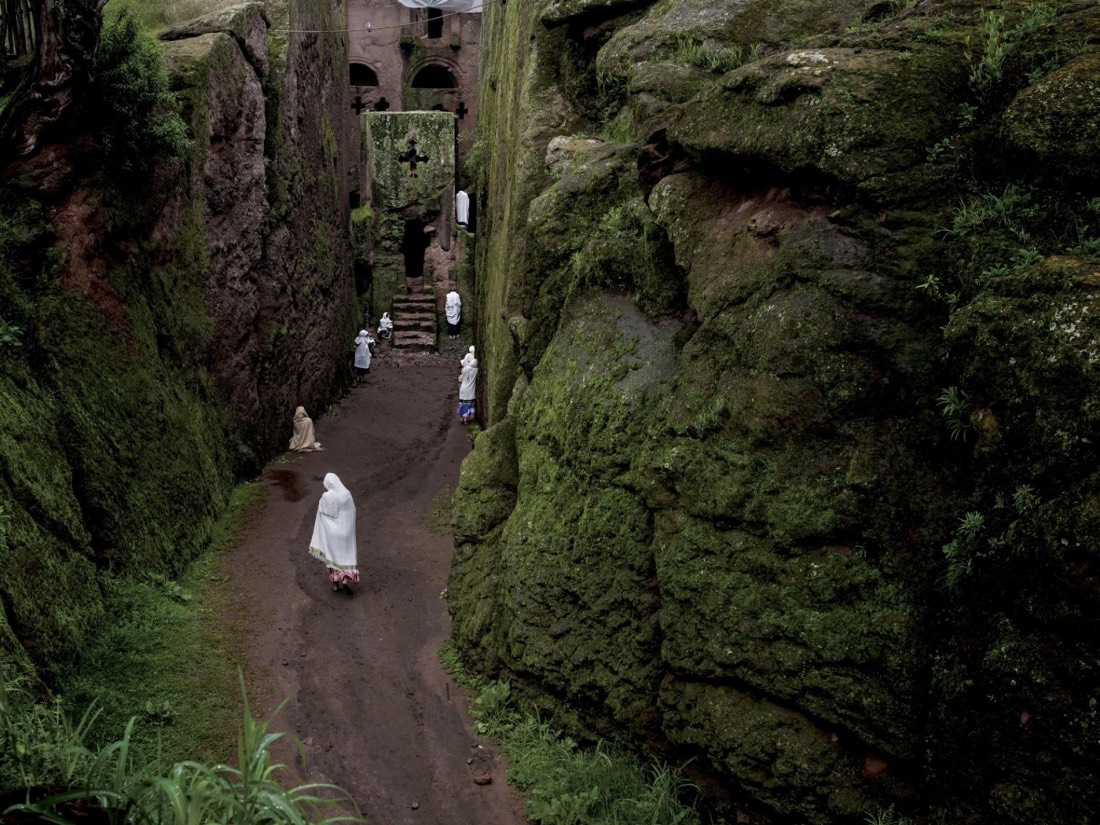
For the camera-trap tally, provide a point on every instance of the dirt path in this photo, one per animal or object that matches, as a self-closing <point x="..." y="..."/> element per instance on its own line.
<point x="372" y="705"/>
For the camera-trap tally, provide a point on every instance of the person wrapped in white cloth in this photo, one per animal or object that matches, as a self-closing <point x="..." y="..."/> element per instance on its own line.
<point x="304" y="440"/>
<point x="453" y="308"/>
<point x="467" y="392"/>
<point x="462" y="208"/>
<point x="333" y="539"/>
<point x="363" y="343"/>
<point x="385" y="326"/>
<point x="468" y="357"/>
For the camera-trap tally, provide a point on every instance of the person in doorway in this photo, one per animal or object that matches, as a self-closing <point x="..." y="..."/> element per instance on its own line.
<point x="468" y="357"/>
<point x="333" y="539"/>
<point x="385" y="326"/>
<point x="467" y="392"/>
<point x="462" y="208"/>
<point x="363" y="343"/>
<point x="453" y="308"/>
<point x="304" y="440"/>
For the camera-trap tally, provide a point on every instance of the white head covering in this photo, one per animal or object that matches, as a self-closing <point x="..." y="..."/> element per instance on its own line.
<point x="467" y="381"/>
<point x="362" y="350"/>
<point x="453" y="307"/>
<point x="304" y="438"/>
<point x="468" y="357"/>
<point x="334" y="529"/>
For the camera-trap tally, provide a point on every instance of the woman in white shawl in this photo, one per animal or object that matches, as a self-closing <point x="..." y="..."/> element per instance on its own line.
<point x="304" y="439"/>
<point x="453" y="308"/>
<point x="385" y="326"/>
<point x="467" y="391"/>
<point x="362" y="355"/>
<point x="468" y="357"/>
<point x="333" y="539"/>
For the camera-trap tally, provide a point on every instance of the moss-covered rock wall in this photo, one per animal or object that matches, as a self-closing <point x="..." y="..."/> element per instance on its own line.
<point x="160" y="318"/>
<point x="787" y="338"/>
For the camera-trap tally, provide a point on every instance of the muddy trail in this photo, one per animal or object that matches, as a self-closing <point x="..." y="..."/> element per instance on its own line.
<point x="370" y="702"/>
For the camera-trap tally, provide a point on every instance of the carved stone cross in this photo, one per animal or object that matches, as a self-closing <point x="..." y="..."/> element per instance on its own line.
<point x="412" y="157"/>
<point x="359" y="106"/>
<point x="461" y="110"/>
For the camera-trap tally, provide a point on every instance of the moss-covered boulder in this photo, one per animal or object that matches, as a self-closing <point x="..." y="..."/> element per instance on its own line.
<point x="1055" y="120"/>
<point x="796" y="484"/>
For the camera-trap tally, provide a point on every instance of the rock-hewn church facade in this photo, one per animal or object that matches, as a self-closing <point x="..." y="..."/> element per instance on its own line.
<point x="405" y="59"/>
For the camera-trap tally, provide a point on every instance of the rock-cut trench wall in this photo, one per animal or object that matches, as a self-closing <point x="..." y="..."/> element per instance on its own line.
<point x="160" y="337"/>
<point x="789" y="364"/>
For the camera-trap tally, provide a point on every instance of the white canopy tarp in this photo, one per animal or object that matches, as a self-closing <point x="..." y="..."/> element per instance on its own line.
<point x="468" y="6"/>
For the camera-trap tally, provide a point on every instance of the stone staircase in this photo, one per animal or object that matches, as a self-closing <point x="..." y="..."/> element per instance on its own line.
<point x="414" y="323"/>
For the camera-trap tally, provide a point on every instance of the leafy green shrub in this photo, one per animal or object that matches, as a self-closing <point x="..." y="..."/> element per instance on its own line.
<point x="39" y="744"/>
<point x="132" y="109"/>
<point x="130" y="790"/>
<point x="954" y="404"/>
<point x="958" y="550"/>
<point x="987" y="64"/>
<point x="492" y="709"/>
<point x="10" y="335"/>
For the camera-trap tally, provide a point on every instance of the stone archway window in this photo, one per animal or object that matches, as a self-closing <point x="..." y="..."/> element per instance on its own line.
<point x="435" y="24"/>
<point x="363" y="75"/>
<point x="434" y="77"/>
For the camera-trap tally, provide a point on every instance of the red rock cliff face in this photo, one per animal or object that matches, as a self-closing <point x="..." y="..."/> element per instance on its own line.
<point x="269" y="114"/>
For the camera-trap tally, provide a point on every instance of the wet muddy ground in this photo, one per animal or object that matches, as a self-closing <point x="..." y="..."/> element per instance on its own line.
<point x="370" y="702"/>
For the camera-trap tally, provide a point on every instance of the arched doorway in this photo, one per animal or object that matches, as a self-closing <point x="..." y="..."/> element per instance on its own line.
<point x="362" y="75"/>
<point x="434" y="76"/>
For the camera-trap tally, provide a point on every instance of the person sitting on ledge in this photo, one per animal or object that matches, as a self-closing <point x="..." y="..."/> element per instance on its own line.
<point x="385" y="326"/>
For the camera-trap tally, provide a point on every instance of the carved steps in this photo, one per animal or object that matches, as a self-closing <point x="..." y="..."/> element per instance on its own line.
<point x="414" y="323"/>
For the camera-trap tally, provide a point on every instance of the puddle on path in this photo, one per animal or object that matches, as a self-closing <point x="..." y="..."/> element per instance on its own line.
<point x="289" y="482"/>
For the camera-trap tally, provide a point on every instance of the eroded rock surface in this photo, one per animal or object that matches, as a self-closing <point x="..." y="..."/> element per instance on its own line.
<point x="782" y="327"/>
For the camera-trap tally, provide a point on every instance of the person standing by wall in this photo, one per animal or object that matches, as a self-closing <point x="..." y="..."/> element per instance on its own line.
<point x="462" y="208"/>
<point x="467" y="391"/>
<point x="363" y="343"/>
<point x="453" y="308"/>
<point x="333" y="539"/>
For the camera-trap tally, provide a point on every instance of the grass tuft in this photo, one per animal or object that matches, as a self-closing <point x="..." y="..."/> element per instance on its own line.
<point x="566" y="784"/>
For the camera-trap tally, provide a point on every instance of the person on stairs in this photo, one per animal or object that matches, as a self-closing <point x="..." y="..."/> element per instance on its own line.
<point x="385" y="326"/>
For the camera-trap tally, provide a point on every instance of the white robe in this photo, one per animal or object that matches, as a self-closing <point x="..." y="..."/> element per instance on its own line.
<point x="454" y="307"/>
<point x="362" y="350"/>
<point x="462" y="208"/>
<point x="304" y="438"/>
<point x="468" y="357"/>
<point x="333" y="539"/>
<point x="386" y="324"/>
<point x="467" y="382"/>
